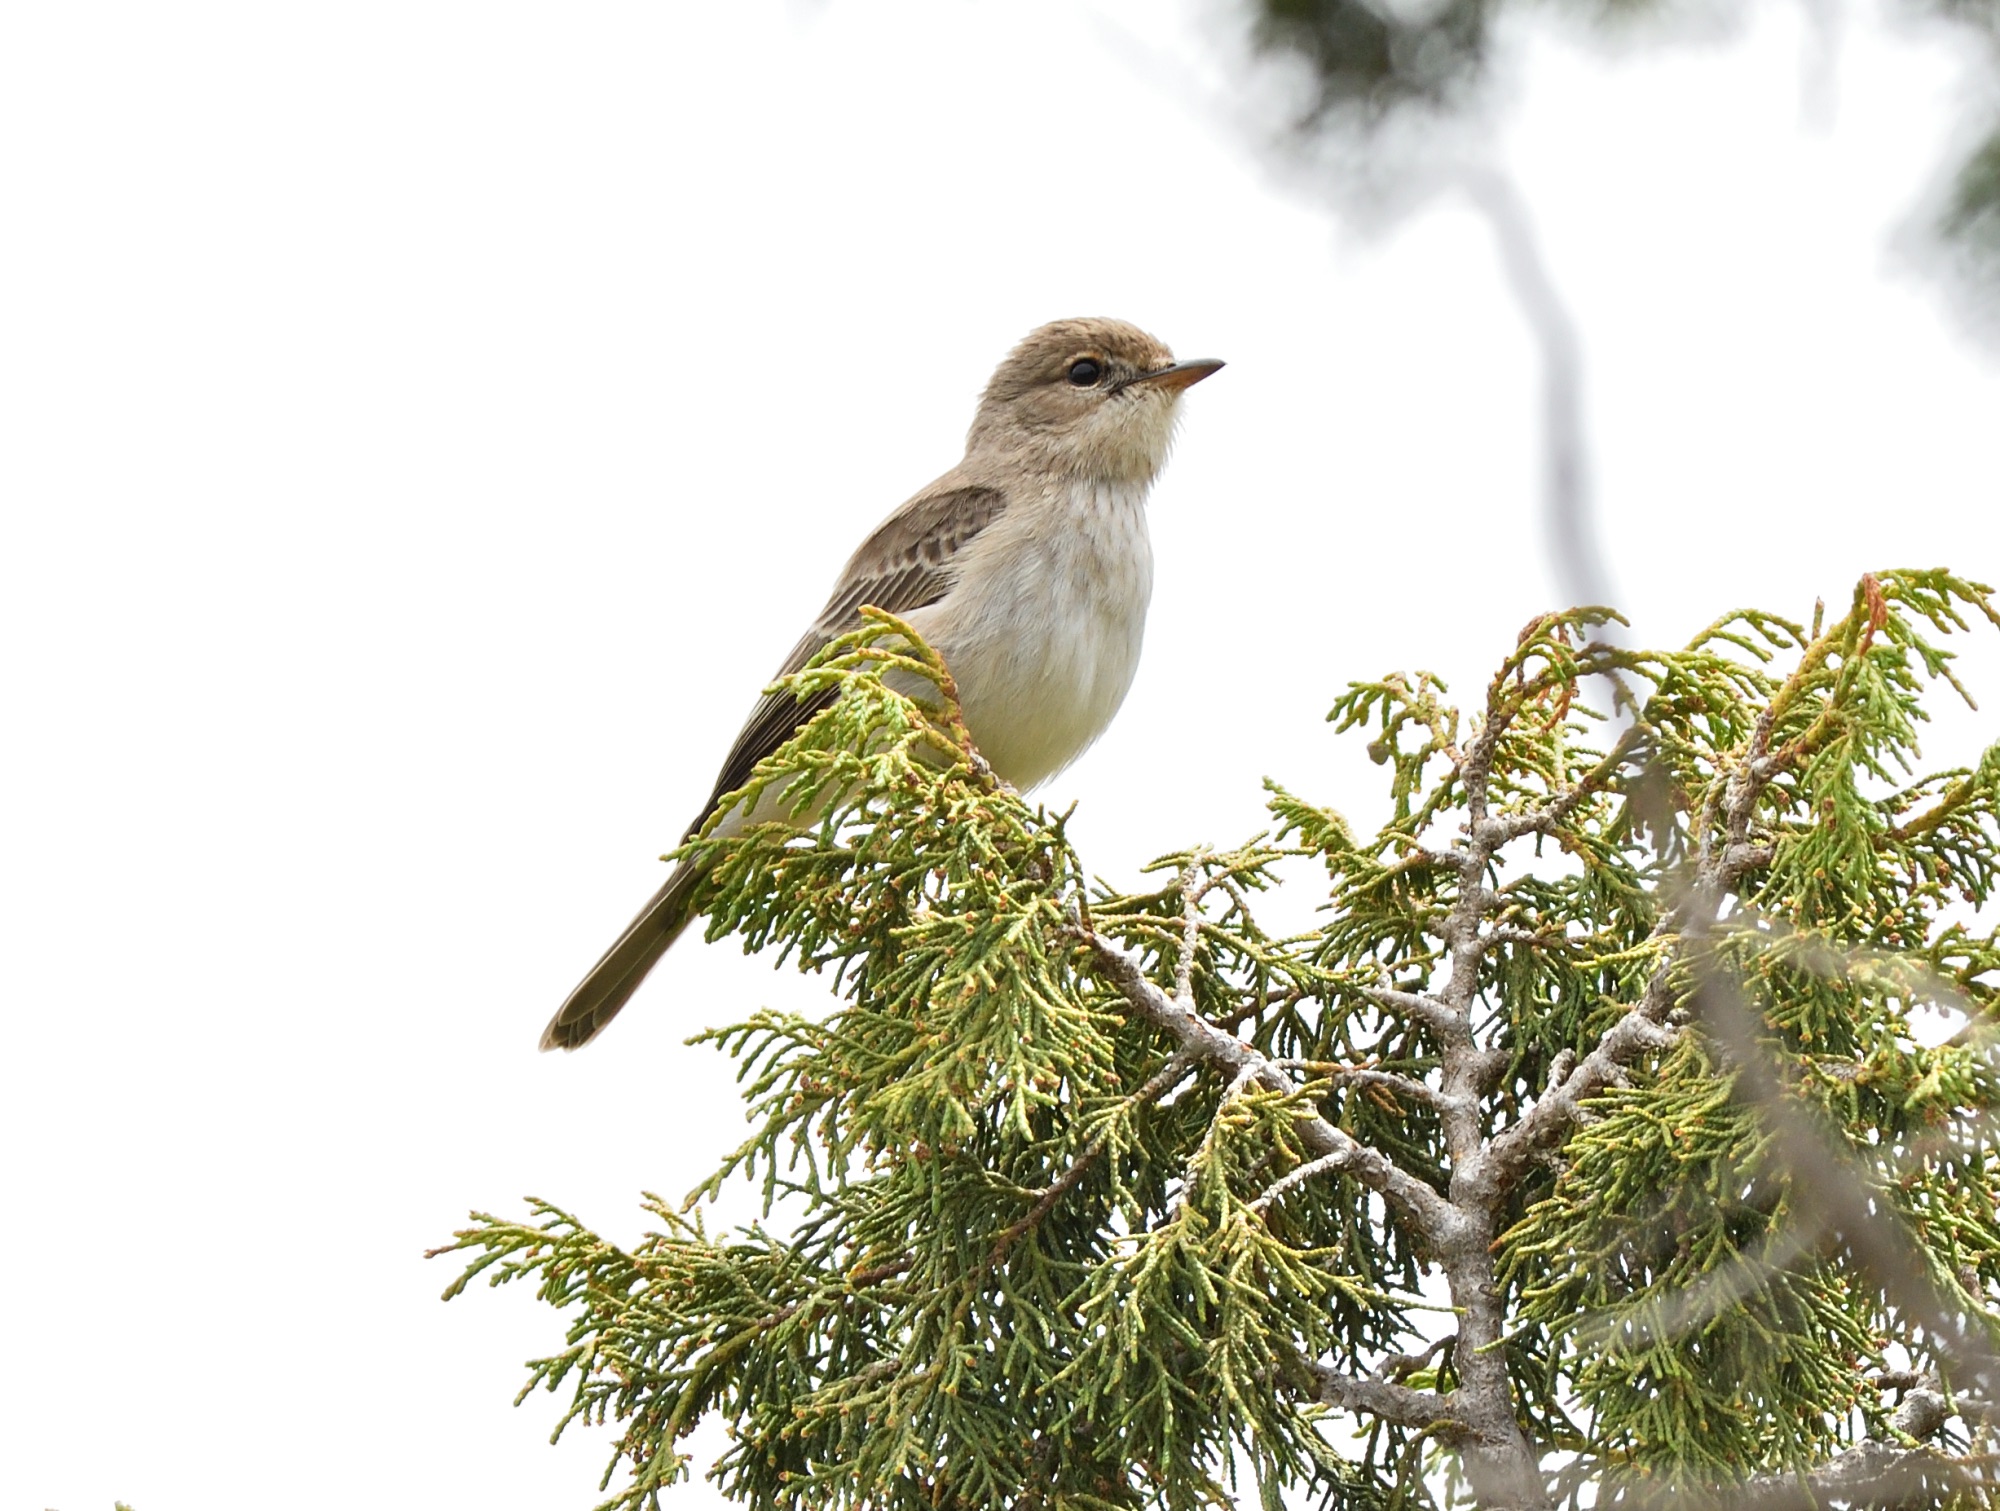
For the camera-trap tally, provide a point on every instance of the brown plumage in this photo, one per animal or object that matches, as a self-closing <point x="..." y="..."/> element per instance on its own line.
<point x="904" y="565"/>
<point x="1026" y="567"/>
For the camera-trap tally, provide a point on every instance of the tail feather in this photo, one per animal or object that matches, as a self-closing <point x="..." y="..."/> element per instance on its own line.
<point x="614" y="979"/>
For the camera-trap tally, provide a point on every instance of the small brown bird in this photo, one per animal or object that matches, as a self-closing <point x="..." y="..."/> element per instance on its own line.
<point x="1027" y="567"/>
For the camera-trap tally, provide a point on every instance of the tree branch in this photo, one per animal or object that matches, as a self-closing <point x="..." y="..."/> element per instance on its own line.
<point x="1548" y="1122"/>
<point x="1391" y="1081"/>
<point x="1425" y="1008"/>
<point x="1428" y="1212"/>
<point x="1422" y="1410"/>
<point x="1875" y="1472"/>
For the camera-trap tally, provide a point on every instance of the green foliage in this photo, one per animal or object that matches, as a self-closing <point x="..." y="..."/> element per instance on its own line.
<point x="1024" y="1247"/>
<point x="1692" y="1292"/>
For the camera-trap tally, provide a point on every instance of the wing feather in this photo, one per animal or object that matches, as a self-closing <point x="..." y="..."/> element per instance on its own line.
<point x="909" y="562"/>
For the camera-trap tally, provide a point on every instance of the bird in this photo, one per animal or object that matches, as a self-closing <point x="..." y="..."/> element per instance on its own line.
<point x="1027" y="568"/>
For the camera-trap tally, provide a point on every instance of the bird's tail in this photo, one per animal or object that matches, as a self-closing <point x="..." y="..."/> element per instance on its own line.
<point x="611" y="981"/>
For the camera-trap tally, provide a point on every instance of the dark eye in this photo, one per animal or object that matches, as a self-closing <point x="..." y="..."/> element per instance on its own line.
<point x="1084" y="372"/>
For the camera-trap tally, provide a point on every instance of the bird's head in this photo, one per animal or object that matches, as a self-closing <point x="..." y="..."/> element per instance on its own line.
<point x="1093" y="398"/>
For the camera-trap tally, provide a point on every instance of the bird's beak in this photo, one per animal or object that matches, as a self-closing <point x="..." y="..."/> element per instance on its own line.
<point x="1180" y="375"/>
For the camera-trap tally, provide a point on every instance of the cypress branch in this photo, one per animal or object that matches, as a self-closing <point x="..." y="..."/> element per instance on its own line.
<point x="1583" y="1152"/>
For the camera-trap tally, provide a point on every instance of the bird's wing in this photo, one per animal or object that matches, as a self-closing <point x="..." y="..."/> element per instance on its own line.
<point x="911" y="560"/>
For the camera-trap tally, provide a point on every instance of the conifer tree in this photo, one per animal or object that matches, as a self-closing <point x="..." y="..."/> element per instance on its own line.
<point x="1583" y="1153"/>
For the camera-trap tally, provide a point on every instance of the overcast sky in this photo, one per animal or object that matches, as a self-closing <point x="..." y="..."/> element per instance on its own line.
<point x="426" y="425"/>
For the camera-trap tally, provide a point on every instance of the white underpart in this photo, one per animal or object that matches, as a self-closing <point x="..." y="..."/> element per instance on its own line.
<point x="1043" y="628"/>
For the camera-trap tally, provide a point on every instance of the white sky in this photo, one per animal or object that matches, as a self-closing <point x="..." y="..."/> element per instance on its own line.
<point x="392" y="393"/>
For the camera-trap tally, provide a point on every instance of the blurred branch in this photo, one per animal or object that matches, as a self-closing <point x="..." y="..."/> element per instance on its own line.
<point x="1581" y="573"/>
<point x="1875" y="1238"/>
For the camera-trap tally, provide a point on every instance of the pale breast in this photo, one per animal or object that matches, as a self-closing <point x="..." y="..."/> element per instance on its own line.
<point x="1043" y="628"/>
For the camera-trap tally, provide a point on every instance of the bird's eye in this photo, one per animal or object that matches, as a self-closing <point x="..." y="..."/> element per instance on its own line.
<point x="1084" y="372"/>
